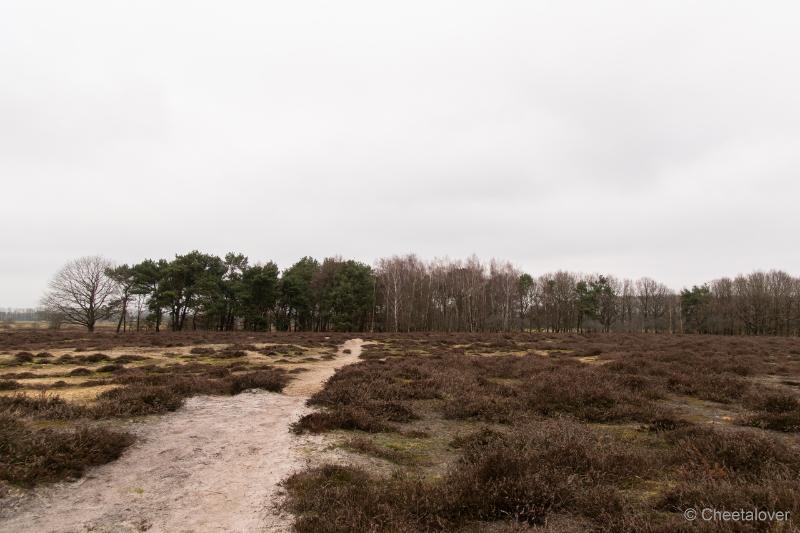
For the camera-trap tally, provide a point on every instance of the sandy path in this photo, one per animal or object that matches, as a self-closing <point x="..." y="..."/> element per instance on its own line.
<point x="213" y="465"/>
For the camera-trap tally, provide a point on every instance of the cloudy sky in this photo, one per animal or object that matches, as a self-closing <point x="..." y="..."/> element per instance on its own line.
<point x="636" y="138"/>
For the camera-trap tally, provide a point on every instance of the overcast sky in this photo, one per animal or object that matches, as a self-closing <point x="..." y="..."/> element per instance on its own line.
<point x="635" y="138"/>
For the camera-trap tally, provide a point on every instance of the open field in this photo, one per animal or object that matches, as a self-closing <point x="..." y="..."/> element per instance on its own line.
<point x="556" y="432"/>
<point x="471" y="432"/>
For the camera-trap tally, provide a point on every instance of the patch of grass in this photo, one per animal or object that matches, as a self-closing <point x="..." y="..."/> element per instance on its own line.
<point x="368" y="447"/>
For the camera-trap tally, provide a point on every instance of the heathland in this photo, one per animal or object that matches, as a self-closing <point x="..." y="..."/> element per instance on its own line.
<point x="422" y="431"/>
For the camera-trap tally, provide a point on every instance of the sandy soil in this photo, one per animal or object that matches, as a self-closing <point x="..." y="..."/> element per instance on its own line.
<point x="213" y="465"/>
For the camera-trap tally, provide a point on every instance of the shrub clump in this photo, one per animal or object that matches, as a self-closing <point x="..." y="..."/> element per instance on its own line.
<point x="29" y="456"/>
<point x="23" y="357"/>
<point x="229" y="353"/>
<point x="347" y="417"/>
<point x="42" y="406"/>
<point x="777" y="411"/>
<point x="95" y="358"/>
<point x="111" y="368"/>
<point x="727" y="469"/>
<point x="270" y="380"/>
<point x="8" y="384"/>
<point x="735" y="454"/>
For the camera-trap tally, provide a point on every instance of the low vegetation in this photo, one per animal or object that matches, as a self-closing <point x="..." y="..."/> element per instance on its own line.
<point x="558" y="432"/>
<point x="59" y="408"/>
<point x="447" y="432"/>
<point x="30" y="455"/>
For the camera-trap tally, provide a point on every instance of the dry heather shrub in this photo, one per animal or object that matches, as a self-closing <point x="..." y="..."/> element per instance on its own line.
<point x="580" y="392"/>
<point x="42" y="406"/>
<point x="726" y="494"/>
<point x="17" y="375"/>
<point x="271" y="380"/>
<point x="727" y="469"/>
<point x="774" y="410"/>
<point x="788" y="422"/>
<point x="94" y="358"/>
<point x="245" y="347"/>
<point x="229" y="354"/>
<point x="541" y="468"/>
<point x="346" y="417"/>
<point x="335" y="498"/>
<point x="368" y="396"/>
<point x="8" y="384"/>
<point x="745" y="454"/>
<point x="773" y="401"/>
<point x="202" y="351"/>
<point x="110" y="368"/>
<point x="23" y="357"/>
<point x="123" y="359"/>
<point x="29" y="456"/>
<point x="136" y="400"/>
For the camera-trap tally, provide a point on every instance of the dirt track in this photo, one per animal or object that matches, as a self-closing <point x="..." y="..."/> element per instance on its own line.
<point x="213" y="465"/>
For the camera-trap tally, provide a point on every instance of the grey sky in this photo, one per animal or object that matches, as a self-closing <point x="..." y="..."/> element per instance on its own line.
<point x="636" y="138"/>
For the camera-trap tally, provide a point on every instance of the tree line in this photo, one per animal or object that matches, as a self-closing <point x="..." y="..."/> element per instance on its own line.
<point x="9" y="316"/>
<point x="404" y="293"/>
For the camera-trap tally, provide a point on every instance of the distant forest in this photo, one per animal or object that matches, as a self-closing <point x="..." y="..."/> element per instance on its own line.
<point x="404" y="293"/>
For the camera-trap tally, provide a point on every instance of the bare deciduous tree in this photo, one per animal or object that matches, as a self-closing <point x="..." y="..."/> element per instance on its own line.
<point x="81" y="292"/>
